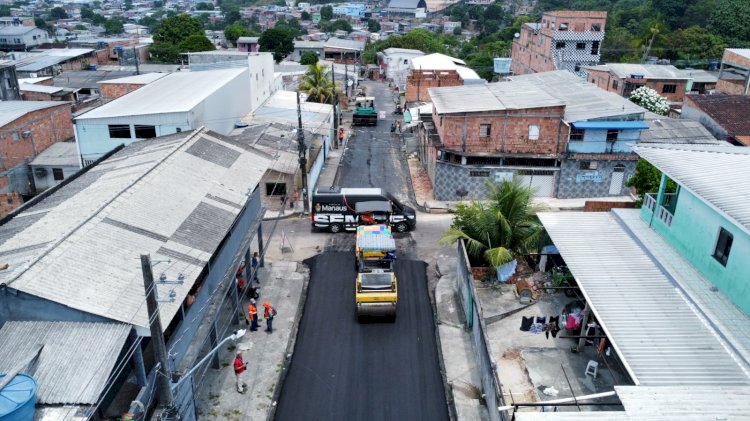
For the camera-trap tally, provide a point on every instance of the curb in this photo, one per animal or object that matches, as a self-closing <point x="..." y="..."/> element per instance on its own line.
<point x="289" y="353"/>
<point x="450" y="400"/>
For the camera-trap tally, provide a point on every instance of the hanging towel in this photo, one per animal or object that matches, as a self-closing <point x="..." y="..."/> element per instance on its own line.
<point x="526" y="323"/>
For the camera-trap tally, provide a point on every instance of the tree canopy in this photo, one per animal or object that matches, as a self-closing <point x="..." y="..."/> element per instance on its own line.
<point x="196" y="42"/>
<point x="178" y="34"/>
<point x="234" y="31"/>
<point x="326" y="13"/>
<point x="58" y="13"/>
<point x="278" y="41"/>
<point x="308" y="57"/>
<point x="176" y="29"/>
<point x="114" y="26"/>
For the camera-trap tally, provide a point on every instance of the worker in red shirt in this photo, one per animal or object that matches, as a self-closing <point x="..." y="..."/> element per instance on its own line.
<point x="239" y="369"/>
<point x="252" y="314"/>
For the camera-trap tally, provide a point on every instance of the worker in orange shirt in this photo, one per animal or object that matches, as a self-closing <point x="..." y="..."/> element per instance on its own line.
<point x="269" y="313"/>
<point x="252" y="314"/>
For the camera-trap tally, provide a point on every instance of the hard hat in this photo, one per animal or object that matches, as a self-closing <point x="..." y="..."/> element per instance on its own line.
<point x="265" y="304"/>
<point x="252" y="301"/>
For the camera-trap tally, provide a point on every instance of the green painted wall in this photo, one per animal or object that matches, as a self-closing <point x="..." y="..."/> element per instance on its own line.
<point x="694" y="231"/>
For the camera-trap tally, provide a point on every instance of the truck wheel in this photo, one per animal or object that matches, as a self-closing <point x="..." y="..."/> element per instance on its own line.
<point x="401" y="227"/>
<point x="334" y="228"/>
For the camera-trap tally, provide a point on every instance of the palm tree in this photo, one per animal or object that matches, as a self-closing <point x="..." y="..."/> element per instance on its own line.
<point x="499" y="229"/>
<point x="317" y="84"/>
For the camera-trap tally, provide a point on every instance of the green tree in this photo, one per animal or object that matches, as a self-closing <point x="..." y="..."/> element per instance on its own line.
<point x="58" y="13"/>
<point x="79" y="27"/>
<point x="158" y="4"/>
<point x="457" y="31"/>
<point x="113" y="27"/>
<point x="499" y="230"/>
<point x="305" y="16"/>
<point x="128" y="4"/>
<point x="176" y="29"/>
<point x="617" y="46"/>
<point x="326" y="13"/>
<point x="317" y="84"/>
<point x="196" y="42"/>
<point x="729" y="20"/>
<point x="204" y="6"/>
<point x="278" y="41"/>
<point x="164" y="52"/>
<point x="373" y="25"/>
<point x="234" y="31"/>
<point x="40" y="23"/>
<point x="4" y="10"/>
<point x="308" y="57"/>
<point x="646" y="179"/>
<point x="150" y="22"/>
<point x="98" y="19"/>
<point x="87" y="13"/>
<point x="695" y="43"/>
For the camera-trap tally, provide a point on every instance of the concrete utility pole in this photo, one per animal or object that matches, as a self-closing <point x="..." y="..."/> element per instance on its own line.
<point x="346" y="80"/>
<point x="135" y="57"/>
<point x="335" y="101"/>
<point x="164" y="393"/>
<point x="302" y="149"/>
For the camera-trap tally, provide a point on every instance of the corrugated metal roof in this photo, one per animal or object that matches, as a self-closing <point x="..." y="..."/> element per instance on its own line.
<point x="75" y="362"/>
<point x="658" y="335"/>
<point x="173" y="197"/>
<point x="491" y="97"/>
<point x="648" y="71"/>
<point x="60" y="153"/>
<point x="619" y="125"/>
<point x="344" y="44"/>
<point x="716" y="173"/>
<point x="176" y="92"/>
<point x="670" y="130"/>
<point x="663" y="404"/>
<point x="145" y="79"/>
<point x="13" y="110"/>
<point x="29" y="87"/>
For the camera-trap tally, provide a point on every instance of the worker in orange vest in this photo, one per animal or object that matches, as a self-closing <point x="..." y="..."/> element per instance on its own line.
<point x="269" y="314"/>
<point x="252" y="313"/>
<point x="239" y="368"/>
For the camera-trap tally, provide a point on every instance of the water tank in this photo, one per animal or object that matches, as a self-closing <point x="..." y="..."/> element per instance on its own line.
<point x="17" y="399"/>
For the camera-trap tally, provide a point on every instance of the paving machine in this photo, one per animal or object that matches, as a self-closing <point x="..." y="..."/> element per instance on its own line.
<point x="365" y="113"/>
<point x="376" y="292"/>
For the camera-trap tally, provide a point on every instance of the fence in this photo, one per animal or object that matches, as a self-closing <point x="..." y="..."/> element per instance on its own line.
<point x="491" y="388"/>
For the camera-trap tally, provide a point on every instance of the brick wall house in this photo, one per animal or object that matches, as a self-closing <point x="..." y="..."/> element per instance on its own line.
<point x="734" y="73"/>
<point x="623" y="78"/>
<point x="418" y="83"/>
<point x="28" y="128"/>
<point x="563" y="40"/>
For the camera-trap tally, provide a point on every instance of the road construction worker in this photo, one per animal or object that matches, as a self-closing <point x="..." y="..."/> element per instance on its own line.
<point x="239" y="369"/>
<point x="269" y="314"/>
<point x="252" y="314"/>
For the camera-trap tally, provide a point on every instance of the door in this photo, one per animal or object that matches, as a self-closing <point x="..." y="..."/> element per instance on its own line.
<point x="618" y="176"/>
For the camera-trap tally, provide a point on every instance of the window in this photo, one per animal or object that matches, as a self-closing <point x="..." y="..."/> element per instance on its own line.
<point x="119" y="131"/>
<point x="576" y="134"/>
<point x="669" y="89"/>
<point x="145" y="132"/>
<point x="595" y="47"/>
<point x="479" y="173"/>
<point x="612" y="135"/>
<point x="560" y="45"/>
<point x="275" y="189"/>
<point x="406" y="61"/>
<point x="57" y="174"/>
<point x="589" y="165"/>
<point x="614" y="84"/>
<point x="596" y="27"/>
<point x="533" y="132"/>
<point x="179" y="130"/>
<point x="723" y="246"/>
<point x="484" y="130"/>
<point x="580" y="46"/>
<point x="564" y="26"/>
<point x="14" y="136"/>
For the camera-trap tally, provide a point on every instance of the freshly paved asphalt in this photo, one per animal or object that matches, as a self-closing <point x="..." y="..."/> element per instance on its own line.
<point x="344" y="370"/>
<point x="372" y="156"/>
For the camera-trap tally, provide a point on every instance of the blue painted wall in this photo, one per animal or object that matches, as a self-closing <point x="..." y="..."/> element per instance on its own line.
<point x="18" y="305"/>
<point x="694" y="231"/>
<point x="595" y="141"/>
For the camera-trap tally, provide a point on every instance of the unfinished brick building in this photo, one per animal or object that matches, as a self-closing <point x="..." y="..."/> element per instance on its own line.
<point x="418" y="83"/>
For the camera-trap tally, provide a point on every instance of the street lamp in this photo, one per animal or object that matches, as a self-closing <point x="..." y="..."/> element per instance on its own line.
<point x="233" y="337"/>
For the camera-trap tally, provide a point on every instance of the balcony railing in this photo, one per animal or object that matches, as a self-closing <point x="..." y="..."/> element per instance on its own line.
<point x="665" y="216"/>
<point x="600" y="146"/>
<point x="649" y="201"/>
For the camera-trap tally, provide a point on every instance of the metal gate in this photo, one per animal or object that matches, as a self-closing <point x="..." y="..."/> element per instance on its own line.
<point x="618" y="176"/>
<point x="542" y="181"/>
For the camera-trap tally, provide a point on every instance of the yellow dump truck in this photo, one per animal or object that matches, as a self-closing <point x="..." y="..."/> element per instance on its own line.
<point x="376" y="291"/>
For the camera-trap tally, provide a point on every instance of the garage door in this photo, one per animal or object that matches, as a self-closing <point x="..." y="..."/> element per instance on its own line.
<point x="543" y="182"/>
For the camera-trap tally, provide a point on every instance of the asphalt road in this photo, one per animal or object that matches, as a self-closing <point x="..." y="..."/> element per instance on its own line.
<point x="372" y="158"/>
<point x="344" y="370"/>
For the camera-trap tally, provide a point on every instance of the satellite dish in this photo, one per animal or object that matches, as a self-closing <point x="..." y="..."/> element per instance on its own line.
<point x="516" y="35"/>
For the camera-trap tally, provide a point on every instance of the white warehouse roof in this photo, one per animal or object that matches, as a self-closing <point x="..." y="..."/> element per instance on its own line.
<point x="174" y="93"/>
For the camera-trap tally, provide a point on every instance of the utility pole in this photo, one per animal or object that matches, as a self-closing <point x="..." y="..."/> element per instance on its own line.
<point x="164" y="392"/>
<point x="346" y="80"/>
<point x="335" y="101"/>
<point x="135" y="56"/>
<point x="302" y="149"/>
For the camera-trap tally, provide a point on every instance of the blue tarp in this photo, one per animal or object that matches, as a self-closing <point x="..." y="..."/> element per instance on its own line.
<point x="504" y="272"/>
<point x="611" y="125"/>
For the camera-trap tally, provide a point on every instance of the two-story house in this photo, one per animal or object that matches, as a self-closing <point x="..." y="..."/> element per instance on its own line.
<point x="669" y="283"/>
<point x="22" y="38"/>
<point x="623" y="78"/>
<point x="563" y="40"/>
<point x="563" y="135"/>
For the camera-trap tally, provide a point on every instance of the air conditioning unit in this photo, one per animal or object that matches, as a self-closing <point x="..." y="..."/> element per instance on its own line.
<point x="26" y="134"/>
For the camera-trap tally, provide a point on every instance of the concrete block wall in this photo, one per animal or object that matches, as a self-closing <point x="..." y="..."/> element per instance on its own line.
<point x="419" y="81"/>
<point x="47" y="126"/>
<point x="509" y="132"/>
<point x="569" y="187"/>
